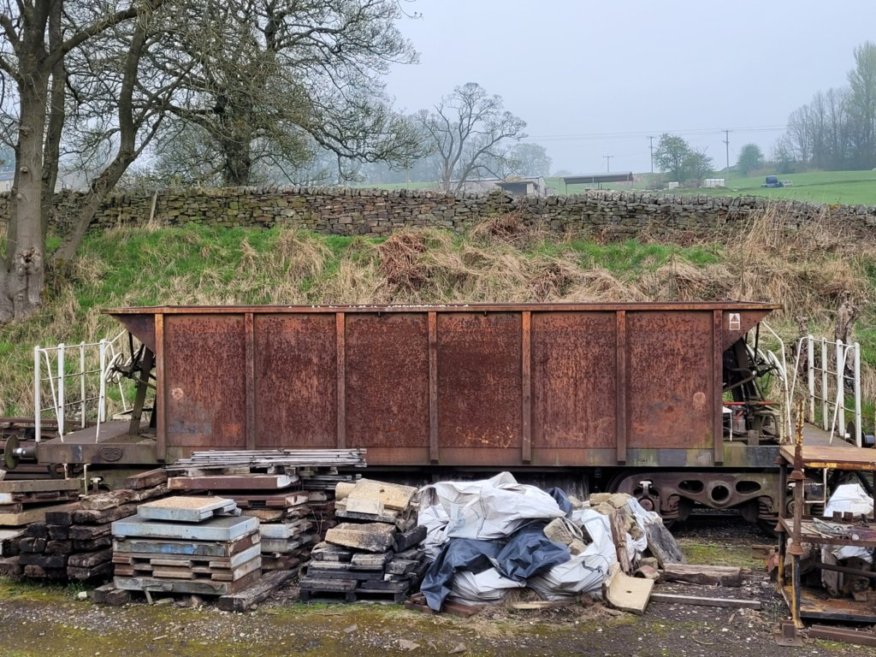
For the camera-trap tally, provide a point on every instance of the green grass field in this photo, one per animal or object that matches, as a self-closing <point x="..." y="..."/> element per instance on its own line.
<point x="832" y="187"/>
<point x="840" y="187"/>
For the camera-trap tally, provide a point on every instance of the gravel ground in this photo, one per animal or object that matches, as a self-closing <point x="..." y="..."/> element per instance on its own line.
<point x="49" y="621"/>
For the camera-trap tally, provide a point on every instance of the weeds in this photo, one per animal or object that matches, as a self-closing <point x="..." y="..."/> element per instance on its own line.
<point x="804" y="268"/>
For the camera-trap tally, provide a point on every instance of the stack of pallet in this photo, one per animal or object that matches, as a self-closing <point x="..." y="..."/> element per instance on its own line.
<point x="290" y="491"/>
<point x="193" y="545"/>
<point x="74" y="541"/>
<point x="374" y="552"/>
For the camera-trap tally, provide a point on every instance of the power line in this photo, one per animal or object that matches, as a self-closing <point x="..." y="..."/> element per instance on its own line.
<point x="649" y="133"/>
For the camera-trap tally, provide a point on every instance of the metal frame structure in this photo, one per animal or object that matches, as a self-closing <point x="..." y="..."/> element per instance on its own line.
<point x="91" y="368"/>
<point x="832" y="368"/>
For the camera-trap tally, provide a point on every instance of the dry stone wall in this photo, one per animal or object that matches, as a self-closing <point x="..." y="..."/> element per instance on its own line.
<point x="344" y="211"/>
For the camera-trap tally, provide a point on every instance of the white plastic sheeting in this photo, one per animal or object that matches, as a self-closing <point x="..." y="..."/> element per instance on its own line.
<point x="484" y="510"/>
<point x="486" y="586"/>
<point x="585" y="572"/>
<point x="848" y="498"/>
<point x="496" y="508"/>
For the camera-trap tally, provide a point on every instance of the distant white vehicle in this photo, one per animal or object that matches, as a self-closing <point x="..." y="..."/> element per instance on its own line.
<point x="714" y="182"/>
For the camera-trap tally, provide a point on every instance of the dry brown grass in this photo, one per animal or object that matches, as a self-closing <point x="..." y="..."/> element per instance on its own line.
<point x="805" y="269"/>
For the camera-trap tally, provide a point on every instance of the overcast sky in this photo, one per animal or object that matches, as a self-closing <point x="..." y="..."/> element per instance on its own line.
<point x="596" y="78"/>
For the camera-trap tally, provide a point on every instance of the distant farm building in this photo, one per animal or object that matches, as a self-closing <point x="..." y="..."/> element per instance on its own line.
<point x="598" y="179"/>
<point x="513" y="186"/>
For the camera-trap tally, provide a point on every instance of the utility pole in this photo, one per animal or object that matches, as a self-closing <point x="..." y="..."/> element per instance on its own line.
<point x="608" y="162"/>
<point x="727" y="147"/>
<point x="651" y="148"/>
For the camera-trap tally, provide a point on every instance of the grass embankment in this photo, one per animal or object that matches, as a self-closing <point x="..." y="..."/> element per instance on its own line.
<point x="496" y="261"/>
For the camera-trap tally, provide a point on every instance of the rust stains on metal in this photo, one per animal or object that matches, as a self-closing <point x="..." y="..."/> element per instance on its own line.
<point x="295" y="388"/>
<point x="479" y="380"/>
<point x="387" y="380"/>
<point x="497" y="385"/>
<point x="574" y="380"/>
<point x="669" y="364"/>
<point x="204" y="386"/>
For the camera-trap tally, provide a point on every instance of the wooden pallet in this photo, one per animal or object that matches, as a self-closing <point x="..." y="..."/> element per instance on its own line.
<point x="187" y="568"/>
<point x="140" y="546"/>
<point x="195" y="587"/>
<point x="351" y="590"/>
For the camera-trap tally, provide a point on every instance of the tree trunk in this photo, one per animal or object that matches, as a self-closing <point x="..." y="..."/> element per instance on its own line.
<point x="99" y="191"/>
<point x="23" y="274"/>
<point x="238" y="161"/>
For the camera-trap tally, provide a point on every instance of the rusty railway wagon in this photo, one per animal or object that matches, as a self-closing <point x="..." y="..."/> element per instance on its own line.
<point x="632" y="397"/>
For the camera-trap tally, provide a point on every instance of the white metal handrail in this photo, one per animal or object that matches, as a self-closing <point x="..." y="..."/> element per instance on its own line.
<point x="828" y="375"/>
<point x="90" y="368"/>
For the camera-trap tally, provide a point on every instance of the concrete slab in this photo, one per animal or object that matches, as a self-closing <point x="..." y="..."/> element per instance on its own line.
<point x="186" y="508"/>
<point x="227" y="528"/>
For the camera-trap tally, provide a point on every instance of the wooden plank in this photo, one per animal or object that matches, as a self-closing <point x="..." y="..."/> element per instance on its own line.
<point x="148" y="479"/>
<point x="227" y="528"/>
<point x="662" y="544"/>
<point x="268" y="501"/>
<point x="9" y="541"/>
<point x="249" y="597"/>
<point x="232" y="482"/>
<point x="244" y="569"/>
<point x="39" y="485"/>
<point x="697" y="574"/>
<point x="33" y="515"/>
<point x="703" y="601"/>
<point x="85" y="573"/>
<point x="285" y="530"/>
<point x="183" y="508"/>
<point x="87" y="517"/>
<point x="89" y="532"/>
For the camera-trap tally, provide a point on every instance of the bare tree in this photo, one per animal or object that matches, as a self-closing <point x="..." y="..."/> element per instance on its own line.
<point x="275" y="80"/>
<point x="38" y="36"/>
<point x="469" y="132"/>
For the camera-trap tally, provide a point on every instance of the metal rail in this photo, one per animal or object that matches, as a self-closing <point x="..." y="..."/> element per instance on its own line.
<point x="833" y="370"/>
<point x="77" y="384"/>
